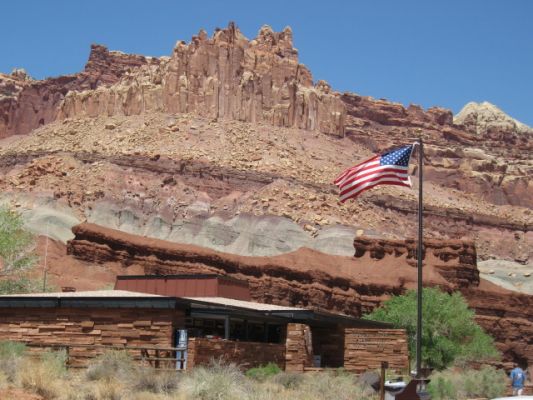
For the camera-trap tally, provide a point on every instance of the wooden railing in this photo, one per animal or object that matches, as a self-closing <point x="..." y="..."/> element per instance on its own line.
<point x="153" y="356"/>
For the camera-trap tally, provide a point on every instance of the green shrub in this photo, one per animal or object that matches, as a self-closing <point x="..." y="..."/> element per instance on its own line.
<point x="441" y="388"/>
<point x="449" y="331"/>
<point x="465" y="384"/>
<point x="263" y="372"/>
<point x="17" y="255"/>
<point x="18" y="284"/>
<point x="10" y="349"/>
<point x="492" y="383"/>
<point x="56" y="361"/>
<point x="11" y="356"/>
<point x="16" y="244"/>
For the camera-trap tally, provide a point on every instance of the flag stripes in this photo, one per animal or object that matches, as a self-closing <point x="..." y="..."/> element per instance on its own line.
<point x="391" y="168"/>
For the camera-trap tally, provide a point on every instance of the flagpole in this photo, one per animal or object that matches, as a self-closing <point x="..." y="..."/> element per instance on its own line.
<point x="419" y="257"/>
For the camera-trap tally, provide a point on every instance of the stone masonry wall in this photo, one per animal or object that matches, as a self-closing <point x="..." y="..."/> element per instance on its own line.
<point x="298" y="348"/>
<point x="366" y="348"/>
<point x="89" y="326"/>
<point x="245" y="354"/>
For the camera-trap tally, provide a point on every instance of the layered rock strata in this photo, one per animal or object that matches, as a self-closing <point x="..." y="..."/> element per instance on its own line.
<point x="26" y="104"/>
<point x="353" y="286"/>
<point x="488" y="159"/>
<point x="225" y="76"/>
<point x="455" y="260"/>
<point x="213" y="152"/>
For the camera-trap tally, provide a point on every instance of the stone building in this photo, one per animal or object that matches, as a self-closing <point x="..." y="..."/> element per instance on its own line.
<point x="193" y="319"/>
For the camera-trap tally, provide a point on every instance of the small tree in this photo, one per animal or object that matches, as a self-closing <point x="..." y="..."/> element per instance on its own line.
<point x="16" y="253"/>
<point x="449" y="331"/>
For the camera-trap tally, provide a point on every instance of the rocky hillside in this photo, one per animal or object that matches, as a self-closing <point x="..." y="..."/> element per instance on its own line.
<point x="229" y="143"/>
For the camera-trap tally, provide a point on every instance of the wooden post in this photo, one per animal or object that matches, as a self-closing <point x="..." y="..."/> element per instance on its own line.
<point x="384" y="366"/>
<point x="67" y="350"/>
<point x="157" y="357"/>
<point x="226" y="327"/>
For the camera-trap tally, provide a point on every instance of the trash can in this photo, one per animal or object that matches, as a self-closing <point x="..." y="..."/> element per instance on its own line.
<point x="392" y="388"/>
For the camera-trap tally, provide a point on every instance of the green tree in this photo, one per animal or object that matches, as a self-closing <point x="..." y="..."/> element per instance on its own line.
<point x="16" y="253"/>
<point x="449" y="331"/>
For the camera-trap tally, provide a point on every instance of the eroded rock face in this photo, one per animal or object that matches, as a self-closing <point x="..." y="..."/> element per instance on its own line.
<point x="455" y="260"/>
<point x="482" y="151"/>
<point x="486" y="118"/>
<point x="156" y="168"/>
<point x="225" y="76"/>
<point x="307" y="278"/>
<point x="383" y="112"/>
<point x="26" y="104"/>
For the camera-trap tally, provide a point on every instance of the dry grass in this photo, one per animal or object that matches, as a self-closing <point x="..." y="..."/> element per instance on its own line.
<point x="114" y="364"/>
<point x="216" y="382"/>
<point x="114" y="376"/>
<point x="38" y="377"/>
<point x="149" y="380"/>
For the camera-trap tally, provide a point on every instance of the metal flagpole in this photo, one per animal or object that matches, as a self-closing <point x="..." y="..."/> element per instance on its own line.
<point x="45" y="259"/>
<point x="419" y="259"/>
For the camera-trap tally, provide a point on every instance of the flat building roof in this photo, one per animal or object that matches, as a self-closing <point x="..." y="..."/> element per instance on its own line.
<point x="220" y="305"/>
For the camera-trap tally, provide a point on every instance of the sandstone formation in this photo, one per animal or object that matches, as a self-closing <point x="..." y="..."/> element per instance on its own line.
<point x="26" y="104"/>
<point x="353" y="286"/>
<point x="220" y="145"/>
<point x="485" y="118"/>
<point x="225" y="76"/>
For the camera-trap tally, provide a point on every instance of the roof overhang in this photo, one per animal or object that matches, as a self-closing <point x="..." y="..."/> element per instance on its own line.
<point x="92" y="302"/>
<point x="193" y="306"/>
<point x="284" y="314"/>
<point x="321" y="318"/>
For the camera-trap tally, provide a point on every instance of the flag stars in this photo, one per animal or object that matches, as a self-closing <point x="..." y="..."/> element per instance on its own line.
<point x="390" y="168"/>
<point x="399" y="157"/>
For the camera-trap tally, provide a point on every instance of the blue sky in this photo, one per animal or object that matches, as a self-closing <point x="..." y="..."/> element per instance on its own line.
<point x="425" y="52"/>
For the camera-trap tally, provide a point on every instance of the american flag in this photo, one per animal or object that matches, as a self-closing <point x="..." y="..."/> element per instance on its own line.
<point x="390" y="168"/>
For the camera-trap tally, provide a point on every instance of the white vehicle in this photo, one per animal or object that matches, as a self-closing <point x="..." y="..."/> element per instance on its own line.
<point x="515" y="398"/>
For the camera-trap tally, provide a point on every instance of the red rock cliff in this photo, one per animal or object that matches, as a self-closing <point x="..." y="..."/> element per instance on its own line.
<point x="225" y="76"/>
<point x="26" y="104"/>
<point x="307" y="278"/>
